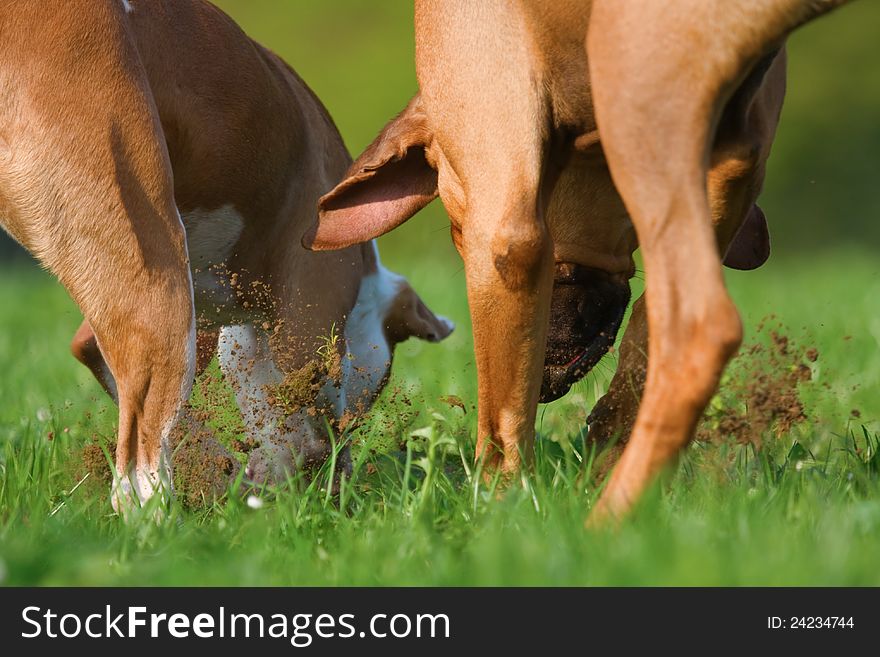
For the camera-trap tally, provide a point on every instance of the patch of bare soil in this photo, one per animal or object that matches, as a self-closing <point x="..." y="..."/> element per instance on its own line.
<point x="203" y="468"/>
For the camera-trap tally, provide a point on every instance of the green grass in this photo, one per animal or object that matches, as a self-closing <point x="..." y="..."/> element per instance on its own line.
<point x="804" y="509"/>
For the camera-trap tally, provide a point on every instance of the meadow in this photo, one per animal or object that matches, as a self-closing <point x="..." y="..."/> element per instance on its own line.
<point x="799" y="506"/>
<point x="802" y="509"/>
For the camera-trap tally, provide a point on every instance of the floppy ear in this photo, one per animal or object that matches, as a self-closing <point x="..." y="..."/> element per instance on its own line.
<point x="386" y="185"/>
<point x="750" y="247"/>
<point x="408" y="317"/>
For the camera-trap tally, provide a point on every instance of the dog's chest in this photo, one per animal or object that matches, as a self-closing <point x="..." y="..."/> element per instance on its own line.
<point x="211" y="237"/>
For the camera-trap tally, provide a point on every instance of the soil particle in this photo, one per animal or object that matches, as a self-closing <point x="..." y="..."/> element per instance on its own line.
<point x="455" y="401"/>
<point x="300" y="387"/>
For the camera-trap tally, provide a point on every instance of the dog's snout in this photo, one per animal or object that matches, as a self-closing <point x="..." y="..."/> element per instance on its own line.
<point x="586" y="311"/>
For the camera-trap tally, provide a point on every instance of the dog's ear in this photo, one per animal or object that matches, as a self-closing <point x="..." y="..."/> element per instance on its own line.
<point x="386" y="185"/>
<point x="750" y="247"/>
<point x="408" y="317"/>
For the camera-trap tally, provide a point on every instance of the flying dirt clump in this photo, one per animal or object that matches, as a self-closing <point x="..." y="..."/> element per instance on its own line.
<point x="761" y="391"/>
<point x="301" y="386"/>
<point x="299" y="389"/>
<point x="94" y="463"/>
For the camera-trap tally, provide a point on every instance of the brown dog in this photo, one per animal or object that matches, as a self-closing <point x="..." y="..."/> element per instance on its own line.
<point x="552" y="153"/>
<point x="164" y="166"/>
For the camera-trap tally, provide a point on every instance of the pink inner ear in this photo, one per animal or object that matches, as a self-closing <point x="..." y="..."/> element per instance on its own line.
<point x="750" y="247"/>
<point x="373" y="202"/>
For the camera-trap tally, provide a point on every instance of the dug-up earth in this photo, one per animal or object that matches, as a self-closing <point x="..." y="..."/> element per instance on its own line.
<point x="760" y="399"/>
<point x="761" y="392"/>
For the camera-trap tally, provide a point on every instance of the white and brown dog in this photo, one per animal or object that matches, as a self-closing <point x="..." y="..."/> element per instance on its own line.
<point x="164" y="167"/>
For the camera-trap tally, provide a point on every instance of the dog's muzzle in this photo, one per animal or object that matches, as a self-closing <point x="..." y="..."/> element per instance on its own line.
<point x="585" y="314"/>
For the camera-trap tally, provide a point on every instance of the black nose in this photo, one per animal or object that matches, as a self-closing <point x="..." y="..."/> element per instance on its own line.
<point x="586" y="310"/>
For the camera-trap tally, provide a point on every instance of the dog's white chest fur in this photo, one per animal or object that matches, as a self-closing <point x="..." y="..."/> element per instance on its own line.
<point x="211" y="237"/>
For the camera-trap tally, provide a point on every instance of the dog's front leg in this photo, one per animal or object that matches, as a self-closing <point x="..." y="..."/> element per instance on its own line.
<point x="693" y="325"/>
<point x="509" y="267"/>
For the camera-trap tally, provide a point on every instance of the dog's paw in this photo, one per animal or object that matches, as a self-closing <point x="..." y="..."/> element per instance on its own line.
<point x="142" y="489"/>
